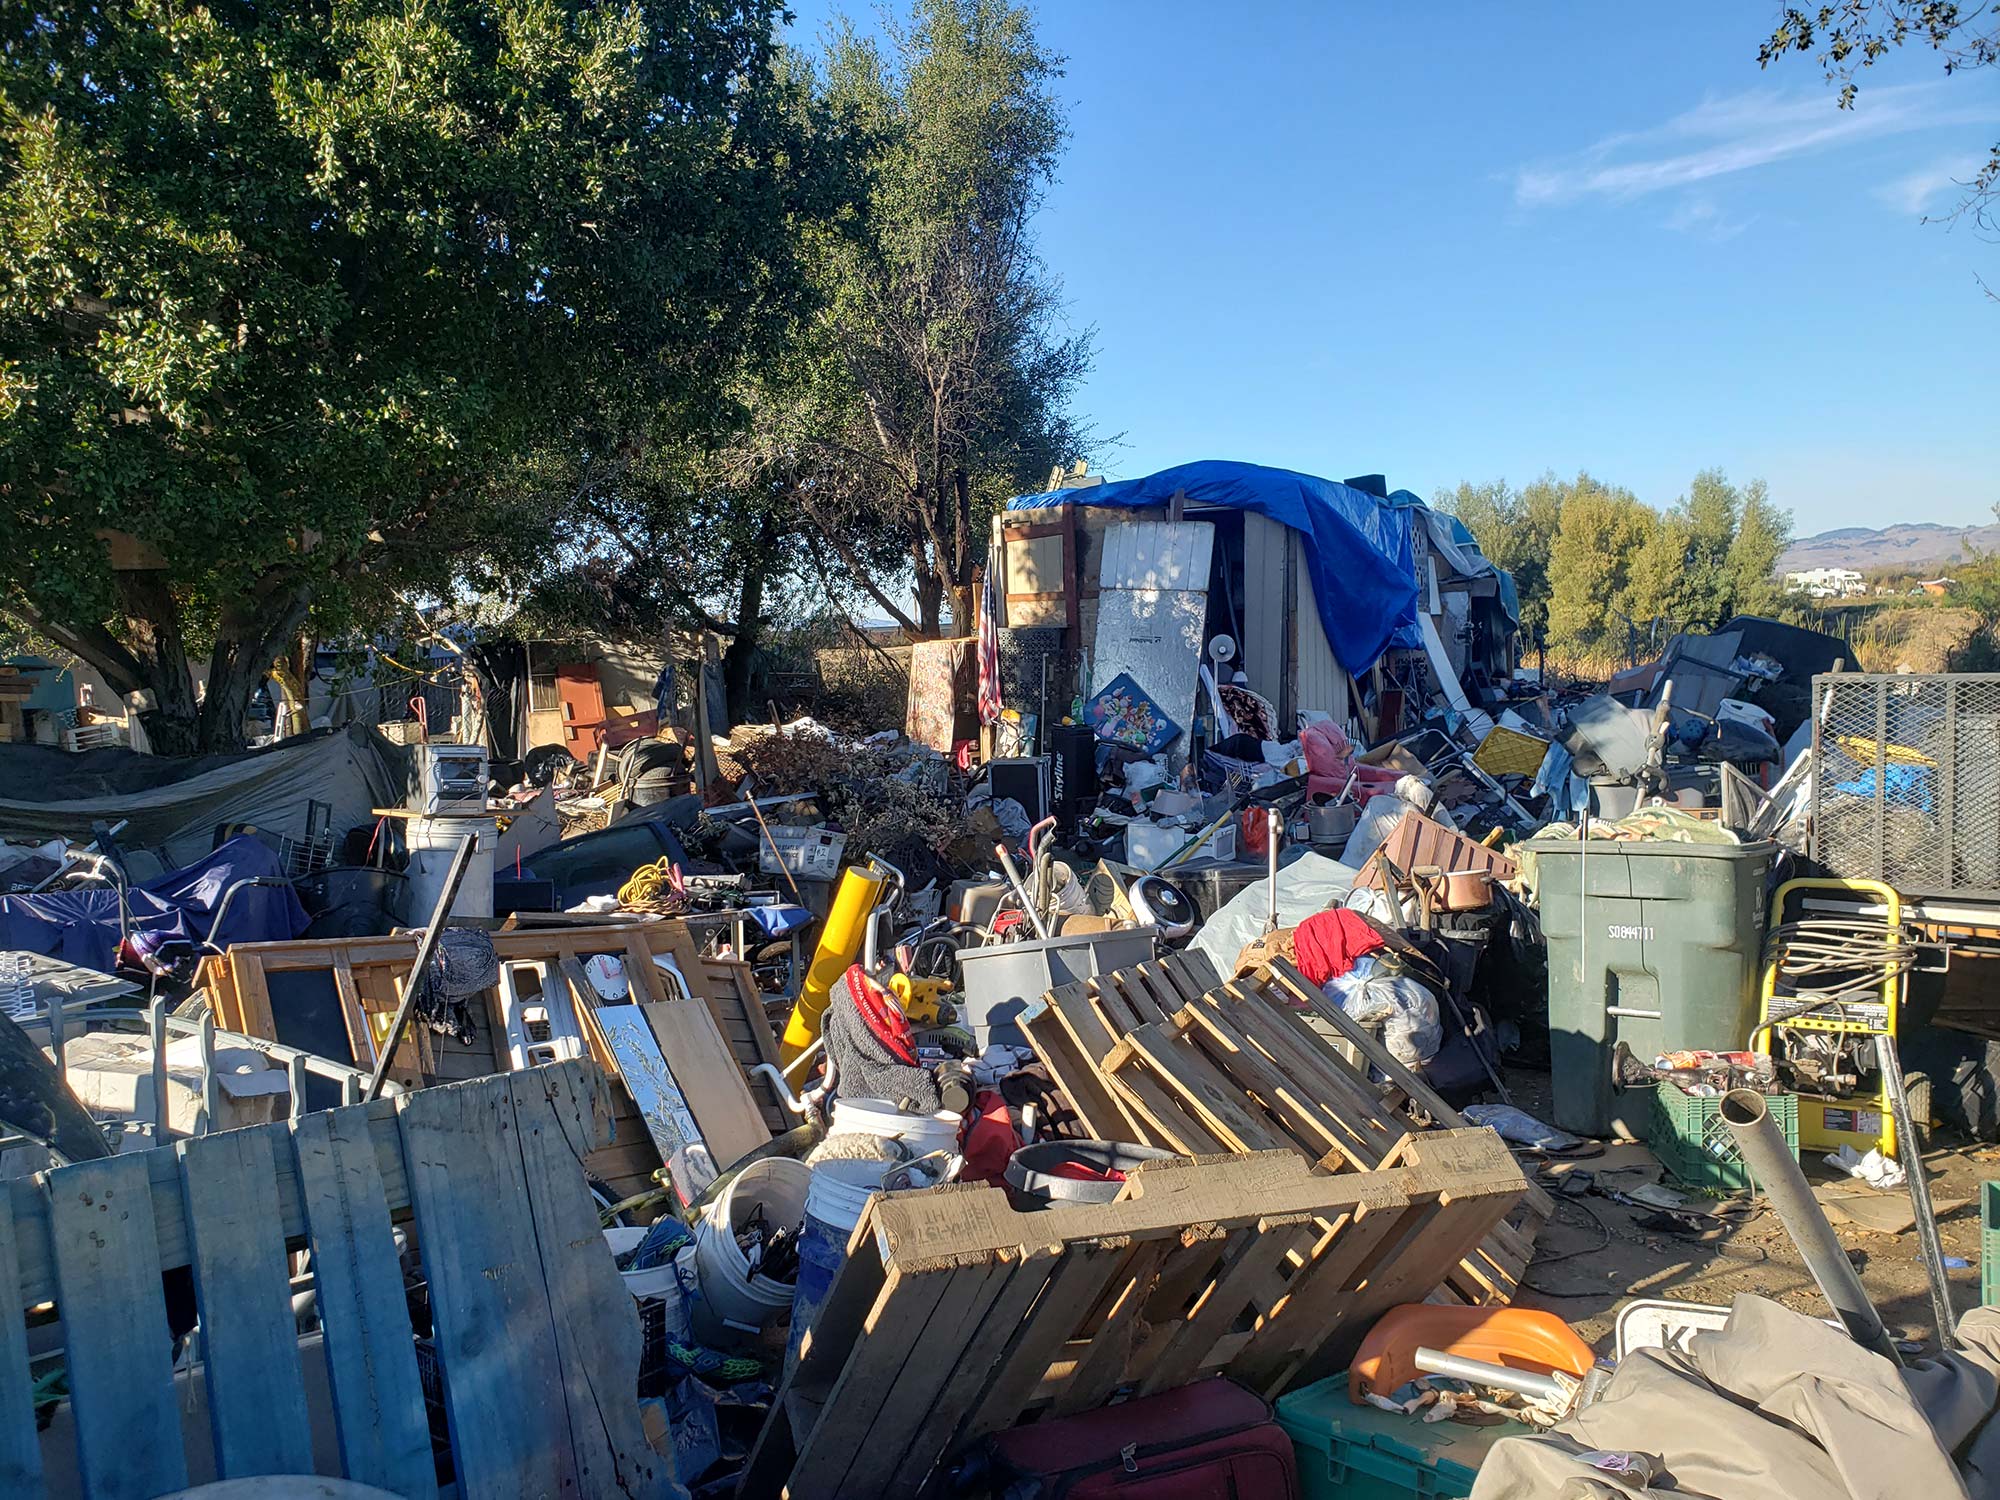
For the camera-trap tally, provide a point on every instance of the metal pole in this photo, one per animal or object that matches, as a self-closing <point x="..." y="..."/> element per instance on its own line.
<point x="1479" y="1372"/>
<point x="1912" y="1160"/>
<point x="1770" y="1160"/>
<point x="413" y="991"/>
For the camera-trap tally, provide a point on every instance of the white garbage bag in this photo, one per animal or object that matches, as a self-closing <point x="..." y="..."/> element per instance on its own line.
<point x="1405" y="1010"/>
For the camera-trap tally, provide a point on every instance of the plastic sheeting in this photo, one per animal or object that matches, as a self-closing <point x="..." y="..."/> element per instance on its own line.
<point x="1358" y="550"/>
<point x="82" y="926"/>
<point x="1310" y="883"/>
<point x="174" y="804"/>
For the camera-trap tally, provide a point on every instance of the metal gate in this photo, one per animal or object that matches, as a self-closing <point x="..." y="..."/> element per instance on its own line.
<point x="1906" y="781"/>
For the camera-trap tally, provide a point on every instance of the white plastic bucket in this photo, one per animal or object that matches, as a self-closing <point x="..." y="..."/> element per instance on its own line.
<point x="733" y="1301"/>
<point x="923" y="1134"/>
<point x="840" y="1190"/>
<point x="655" y="1284"/>
<point x="433" y="842"/>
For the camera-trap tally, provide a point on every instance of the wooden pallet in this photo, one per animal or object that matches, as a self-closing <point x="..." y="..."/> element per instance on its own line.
<point x="956" y="1316"/>
<point x="537" y="1342"/>
<point x="1167" y="1054"/>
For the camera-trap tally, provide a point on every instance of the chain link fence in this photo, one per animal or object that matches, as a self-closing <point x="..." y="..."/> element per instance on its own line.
<point x="1906" y="781"/>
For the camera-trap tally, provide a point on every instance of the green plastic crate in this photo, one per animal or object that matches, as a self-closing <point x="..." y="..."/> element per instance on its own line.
<point x="1989" y="1244"/>
<point x="1349" y="1452"/>
<point x="1693" y="1144"/>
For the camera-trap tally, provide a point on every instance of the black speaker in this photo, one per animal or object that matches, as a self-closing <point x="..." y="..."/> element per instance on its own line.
<point x="1072" y="768"/>
<point x="1026" y="780"/>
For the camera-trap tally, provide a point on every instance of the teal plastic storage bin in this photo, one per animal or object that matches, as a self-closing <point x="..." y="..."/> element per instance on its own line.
<point x="1653" y="943"/>
<point x="1349" y="1452"/>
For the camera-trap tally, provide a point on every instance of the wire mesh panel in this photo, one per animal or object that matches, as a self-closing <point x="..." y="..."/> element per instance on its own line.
<point x="1906" y="781"/>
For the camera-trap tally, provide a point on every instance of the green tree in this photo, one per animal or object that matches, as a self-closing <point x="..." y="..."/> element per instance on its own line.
<point x="1593" y="564"/>
<point x="937" y="380"/>
<point x="282" y="288"/>
<point x="1762" y="534"/>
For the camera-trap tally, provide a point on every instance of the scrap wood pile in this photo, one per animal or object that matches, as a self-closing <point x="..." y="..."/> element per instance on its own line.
<point x="955" y="1315"/>
<point x="335" y="996"/>
<point x="1166" y="1054"/>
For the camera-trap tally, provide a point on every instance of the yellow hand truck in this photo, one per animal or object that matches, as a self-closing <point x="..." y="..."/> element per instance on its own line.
<point x="1835" y="961"/>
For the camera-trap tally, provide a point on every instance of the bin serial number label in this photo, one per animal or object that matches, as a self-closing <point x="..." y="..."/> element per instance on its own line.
<point x="1630" y="932"/>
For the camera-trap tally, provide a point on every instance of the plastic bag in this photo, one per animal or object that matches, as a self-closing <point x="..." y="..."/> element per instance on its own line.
<point x="1406" y="1011"/>
<point x="1519" y="1126"/>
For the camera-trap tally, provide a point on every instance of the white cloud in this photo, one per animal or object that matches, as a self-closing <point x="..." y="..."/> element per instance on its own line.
<point x="1936" y="187"/>
<point x="1737" y="133"/>
<point x="1704" y="219"/>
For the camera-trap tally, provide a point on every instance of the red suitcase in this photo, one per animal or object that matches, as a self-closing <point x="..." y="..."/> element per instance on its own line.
<point x="1211" y="1441"/>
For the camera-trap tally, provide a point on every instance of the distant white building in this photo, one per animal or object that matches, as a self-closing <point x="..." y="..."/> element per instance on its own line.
<point x="1825" y="583"/>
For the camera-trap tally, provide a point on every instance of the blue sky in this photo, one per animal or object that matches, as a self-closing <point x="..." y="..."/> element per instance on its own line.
<point x="1456" y="241"/>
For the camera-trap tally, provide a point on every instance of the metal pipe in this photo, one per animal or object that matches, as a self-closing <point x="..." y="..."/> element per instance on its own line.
<point x="1021" y="891"/>
<point x="419" y="980"/>
<point x="1777" y="1172"/>
<point x="1479" y="1372"/>
<point x="1912" y="1159"/>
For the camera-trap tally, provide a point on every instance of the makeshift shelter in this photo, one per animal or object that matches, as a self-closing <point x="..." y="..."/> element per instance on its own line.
<point x="1313" y="580"/>
<point x="173" y="805"/>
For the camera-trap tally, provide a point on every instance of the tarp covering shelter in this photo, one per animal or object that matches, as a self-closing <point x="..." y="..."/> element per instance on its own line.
<point x="1359" y="551"/>
<point x="174" y="804"/>
<point x="83" y="926"/>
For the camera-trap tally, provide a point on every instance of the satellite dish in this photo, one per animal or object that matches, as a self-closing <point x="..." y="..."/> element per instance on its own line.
<point x="1222" y="649"/>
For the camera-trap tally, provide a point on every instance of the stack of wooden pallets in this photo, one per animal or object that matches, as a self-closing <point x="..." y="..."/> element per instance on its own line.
<point x="955" y="1316"/>
<point x="1168" y="1054"/>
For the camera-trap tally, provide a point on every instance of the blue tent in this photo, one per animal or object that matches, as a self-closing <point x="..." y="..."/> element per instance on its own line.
<point x="1359" y="552"/>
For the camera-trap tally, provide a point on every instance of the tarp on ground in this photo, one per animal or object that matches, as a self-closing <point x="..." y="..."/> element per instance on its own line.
<point x="1775" y="1406"/>
<point x="175" y="803"/>
<point x="83" y="926"/>
<point x="1358" y="550"/>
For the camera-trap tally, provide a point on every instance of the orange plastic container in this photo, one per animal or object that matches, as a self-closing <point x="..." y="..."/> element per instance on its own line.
<point x="1520" y="1338"/>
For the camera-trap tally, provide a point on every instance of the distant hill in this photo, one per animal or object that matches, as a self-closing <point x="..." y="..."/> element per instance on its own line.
<point x="1912" y="546"/>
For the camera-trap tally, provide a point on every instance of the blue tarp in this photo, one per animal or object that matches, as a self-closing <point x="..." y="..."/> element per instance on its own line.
<point x="81" y="926"/>
<point x="1359" y="552"/>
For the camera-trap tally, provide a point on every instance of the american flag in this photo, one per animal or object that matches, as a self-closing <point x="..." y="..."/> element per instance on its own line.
<point x="989" y="651"/>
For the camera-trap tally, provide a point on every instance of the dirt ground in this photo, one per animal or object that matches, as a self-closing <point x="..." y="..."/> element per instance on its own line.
<point x="1595" y="1255"/>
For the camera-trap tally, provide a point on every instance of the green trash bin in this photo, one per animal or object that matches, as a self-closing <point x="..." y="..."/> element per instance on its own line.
<point x="1657" y="944"/>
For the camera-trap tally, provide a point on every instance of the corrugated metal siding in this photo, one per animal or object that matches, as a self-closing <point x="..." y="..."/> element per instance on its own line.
<point x="1262" y="649"/>
<point x="1321" y="682"/>
<point x="1157" y="555"/>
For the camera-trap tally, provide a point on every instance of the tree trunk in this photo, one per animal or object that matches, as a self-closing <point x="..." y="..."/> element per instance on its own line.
<point x="741" y="656"/>
<point x="157" y="660"/>
<point x="929" y="589"/>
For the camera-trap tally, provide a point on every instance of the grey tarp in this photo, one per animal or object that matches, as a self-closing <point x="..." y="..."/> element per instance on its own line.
<point x="1776" y="1406"/>
<point x="174" y="803"/>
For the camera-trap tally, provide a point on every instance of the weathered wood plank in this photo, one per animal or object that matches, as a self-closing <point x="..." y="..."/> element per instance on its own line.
<point x="1102" y="1369"/>
<point x="378" y="1400"/>
<point x="249" y="1336"/>
<point x="966" y="1300"/>
<point x="887" y="1341"/>
<point x="593" y="1320"/>
<point x="709" y="1079"/>
<point x="495" y="1333"/>
<point x="30" y="1212"/>
<point x="20" y="1449"/>
<point x="120" y="1357"/>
